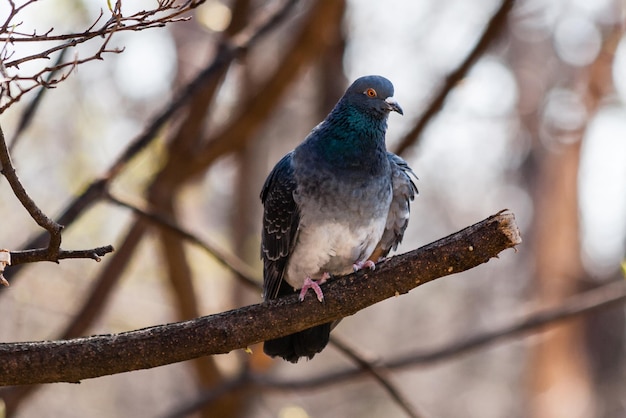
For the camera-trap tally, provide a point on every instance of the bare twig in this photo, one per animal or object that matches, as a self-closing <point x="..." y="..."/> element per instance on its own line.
<point x="16" y="86"/>
<point x="310" y="42"/>
<point x="493" y="29"/>
<point x="379" y="374"/>
<point x="237" y="266"/>
<point x="31" y="108"/>
<point x="208" y="397"/>
<point x="36" y="79"/>
<point x="90" y="195"/>
<point x="42" y="254"/>
<point x="83" y="358"/>
<point x="53" y="228"/>
<point x="53" y="252"/>
<point x="228" y="52"/>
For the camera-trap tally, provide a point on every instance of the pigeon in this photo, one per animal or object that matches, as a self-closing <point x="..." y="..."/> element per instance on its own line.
<point x="339" y="202"/>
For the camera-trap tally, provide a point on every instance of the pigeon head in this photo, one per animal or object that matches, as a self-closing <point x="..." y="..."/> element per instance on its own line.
<point x="353" y="133"/>
<point x="372" y="95"/>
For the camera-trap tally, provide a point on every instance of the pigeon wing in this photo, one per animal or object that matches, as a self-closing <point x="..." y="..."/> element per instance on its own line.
<point x="404" y="191"/>
<point x="281" y="219"/>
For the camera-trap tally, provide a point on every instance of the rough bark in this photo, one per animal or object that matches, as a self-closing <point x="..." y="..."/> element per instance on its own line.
<point x="84" y="358"/>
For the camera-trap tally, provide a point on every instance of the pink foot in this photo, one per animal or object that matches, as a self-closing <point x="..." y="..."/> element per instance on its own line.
<point x="362" y="264"/>
<point x="312" y="284"/>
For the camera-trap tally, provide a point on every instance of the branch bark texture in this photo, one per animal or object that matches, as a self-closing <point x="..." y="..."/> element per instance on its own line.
<point x="83" y="358"/>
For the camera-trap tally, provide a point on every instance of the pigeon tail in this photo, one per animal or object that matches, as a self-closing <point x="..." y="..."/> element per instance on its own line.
<point x="306" y="343"/>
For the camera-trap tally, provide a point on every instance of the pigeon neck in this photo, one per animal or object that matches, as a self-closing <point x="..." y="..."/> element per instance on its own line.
<point x="352" y="139"/>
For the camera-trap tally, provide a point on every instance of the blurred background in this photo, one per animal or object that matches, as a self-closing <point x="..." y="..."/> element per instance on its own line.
<point x="513" y="104"/>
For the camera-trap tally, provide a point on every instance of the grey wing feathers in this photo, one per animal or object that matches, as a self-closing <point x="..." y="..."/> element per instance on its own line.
<point x="404" y="191"/>
<point x="280" y="225"/>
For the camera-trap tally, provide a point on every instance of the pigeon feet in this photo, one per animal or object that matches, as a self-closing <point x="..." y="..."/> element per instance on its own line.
<point x="359" y="265"/>
<point x="315" y="285"/>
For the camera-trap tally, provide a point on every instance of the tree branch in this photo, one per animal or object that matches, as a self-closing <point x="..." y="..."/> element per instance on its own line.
<point x="379" y="374"/>
<point x="234" y="264"/>
<point x="310" y="43"/>
<point x="53" y="251"/>
<point x="53" y="228"/>
<point x="84" y="358"/>
<point x="28" y="113"/>
<point x="42" y="254"/>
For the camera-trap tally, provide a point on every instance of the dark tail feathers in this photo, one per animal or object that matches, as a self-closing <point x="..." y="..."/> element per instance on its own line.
<point x="306" y="343"/>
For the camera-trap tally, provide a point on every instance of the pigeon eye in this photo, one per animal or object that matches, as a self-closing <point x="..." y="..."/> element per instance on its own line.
<point x="371" y="92"/>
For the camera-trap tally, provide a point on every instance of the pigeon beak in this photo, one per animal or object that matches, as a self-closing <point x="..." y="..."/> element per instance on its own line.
<point x="393" y="105"/>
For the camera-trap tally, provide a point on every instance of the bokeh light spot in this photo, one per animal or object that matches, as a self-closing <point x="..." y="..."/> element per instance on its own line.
<point x="577" y="40"/>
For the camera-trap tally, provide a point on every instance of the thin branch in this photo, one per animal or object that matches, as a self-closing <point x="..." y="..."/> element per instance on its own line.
<point x="603" y="297"/>
<point x="14" y="87"/>
<point x="233" y="263"/>
<point x="208" y="397"/>
<point x="31" y="108"/>
<point x="53" y="252"/>
<point x="53" y="228"/>
<point x="83" y="358"/>
<point x="91" y="194"/>
<point x="144" y="19"/>
<point x="42" y="254"/>
<point x="228" y="52"/>
<point x="309" y="43"/>
<point x="491" y="33"/>
<point x="377" y="373"/>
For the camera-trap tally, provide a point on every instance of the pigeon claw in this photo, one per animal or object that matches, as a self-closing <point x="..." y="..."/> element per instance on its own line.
<point x="359" y="265"/>
<point x="312" y="284"/>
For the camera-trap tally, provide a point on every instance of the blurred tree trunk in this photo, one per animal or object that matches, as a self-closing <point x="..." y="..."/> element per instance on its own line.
<point x="164" y="193"/>
<point x="606" y="329"/>
<point x="559" y="375"/>
<point x="557" y="372"/>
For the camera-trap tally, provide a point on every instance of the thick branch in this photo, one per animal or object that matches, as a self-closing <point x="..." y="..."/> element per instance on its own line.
<point x="83" y="358"/>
